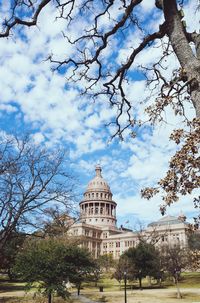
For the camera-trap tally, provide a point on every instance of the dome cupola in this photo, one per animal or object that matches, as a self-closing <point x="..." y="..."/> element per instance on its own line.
<point x="98" y="184"/>
<point x="97" y="207"/>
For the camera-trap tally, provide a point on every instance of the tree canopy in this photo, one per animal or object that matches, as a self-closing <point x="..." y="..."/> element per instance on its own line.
<point x="9" y="252"/>
<point x="51" y="263"/>
<point x="194" y="241"/>
<point x="142" y="260"/>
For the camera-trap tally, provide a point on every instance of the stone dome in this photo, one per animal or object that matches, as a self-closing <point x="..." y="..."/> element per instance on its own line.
<point x="98" y="183"/>
<point x="97" y="206"/>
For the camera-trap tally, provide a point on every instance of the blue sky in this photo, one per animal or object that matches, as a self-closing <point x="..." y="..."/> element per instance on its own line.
<point x="34" y="99"/>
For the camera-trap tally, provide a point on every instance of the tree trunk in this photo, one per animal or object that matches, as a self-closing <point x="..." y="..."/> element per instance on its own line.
<point x="180" y="44"/>
<point x="179" y="296"/>
<point x="78" y="289"/>
<point x="159" y="282"/>
<point x="10" y="276"/>
<point x="140" y="282"/>
<point x="49" y="297"/>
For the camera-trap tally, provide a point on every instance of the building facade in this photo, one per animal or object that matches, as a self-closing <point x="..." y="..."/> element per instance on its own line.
<point x="98" y="224"/>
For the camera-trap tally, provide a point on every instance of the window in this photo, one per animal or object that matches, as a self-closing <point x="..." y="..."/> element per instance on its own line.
<point x="128" y="243"/>
<point x="87" y="232"/>
<point x="117" y="244"/>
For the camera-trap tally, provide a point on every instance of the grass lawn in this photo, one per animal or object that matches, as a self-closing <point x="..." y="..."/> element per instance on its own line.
<point x="189" y="285"/>
<point x="190" y="279"/>
<point x="144" y="296"/>
<point x="14" y="292"/>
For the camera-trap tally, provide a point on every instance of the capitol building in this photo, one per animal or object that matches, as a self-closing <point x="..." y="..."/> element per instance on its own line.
<point x="98" y="229"/>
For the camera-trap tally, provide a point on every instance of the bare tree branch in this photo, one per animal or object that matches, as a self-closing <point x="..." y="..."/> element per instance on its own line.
<point x="14" y="21"/>
<point x="37" y="180"/>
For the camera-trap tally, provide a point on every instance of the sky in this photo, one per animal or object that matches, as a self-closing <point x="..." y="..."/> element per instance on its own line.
<point x="33" y="98"/>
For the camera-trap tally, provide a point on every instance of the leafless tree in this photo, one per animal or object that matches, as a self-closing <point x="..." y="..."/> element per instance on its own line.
<point x="57" y="222"/>
<point x="94" y="62"/>
<point x="174" y="260"/>
<point x="149" y="235"/>
<point x="32" y="180"/>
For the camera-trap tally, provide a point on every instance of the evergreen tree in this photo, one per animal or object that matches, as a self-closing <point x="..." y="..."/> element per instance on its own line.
<point x="50" y="263"/>
<point x="144" y="260"/>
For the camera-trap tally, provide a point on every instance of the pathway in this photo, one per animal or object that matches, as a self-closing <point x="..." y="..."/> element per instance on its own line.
<point x="82" y="298"/>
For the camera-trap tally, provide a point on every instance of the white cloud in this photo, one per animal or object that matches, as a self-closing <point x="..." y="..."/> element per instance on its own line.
<point x="8" y="108"/>
<point x="93" y="121"/>
<point x="148" y="211"/>
<point x="192" y="16"/>
<point x="38" y="138"/>
<point x="147" y="5"/>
